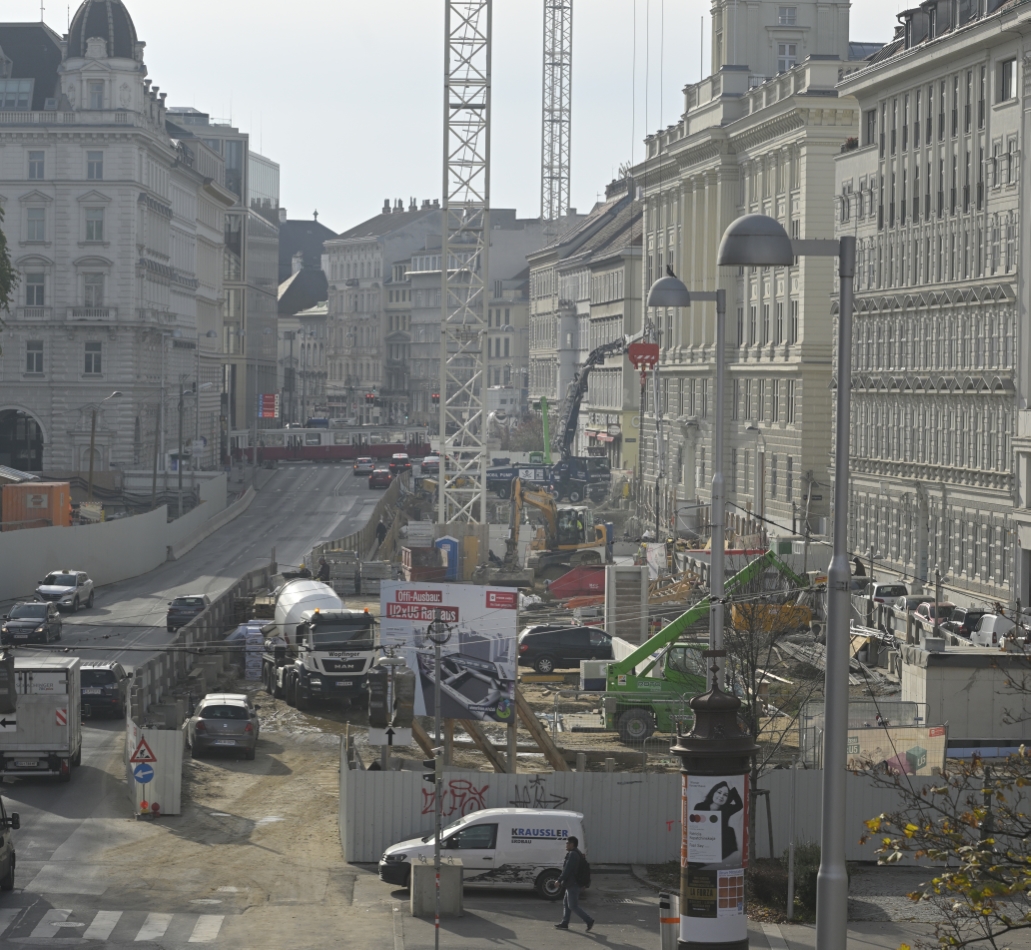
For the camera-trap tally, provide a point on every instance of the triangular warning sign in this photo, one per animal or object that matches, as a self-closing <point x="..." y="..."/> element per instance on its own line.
<point x="143" y="754"/>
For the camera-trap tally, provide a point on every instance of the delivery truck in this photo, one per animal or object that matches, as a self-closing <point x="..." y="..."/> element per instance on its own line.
<point x="44" y="734"/>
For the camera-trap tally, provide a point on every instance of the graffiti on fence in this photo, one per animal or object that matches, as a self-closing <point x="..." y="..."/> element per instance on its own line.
<point x="458" y="797"/>
<point x="534" y="794"/>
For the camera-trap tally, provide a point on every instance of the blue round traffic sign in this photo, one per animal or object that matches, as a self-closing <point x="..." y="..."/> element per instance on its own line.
<point x="143" y="773"/>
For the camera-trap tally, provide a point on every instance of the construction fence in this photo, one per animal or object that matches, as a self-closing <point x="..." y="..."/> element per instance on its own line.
<point x="629" y="818"/>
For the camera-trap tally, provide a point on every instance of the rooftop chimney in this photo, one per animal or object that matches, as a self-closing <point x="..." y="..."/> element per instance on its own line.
<point x="412" y="206"/>
<point x="386" y="206"/>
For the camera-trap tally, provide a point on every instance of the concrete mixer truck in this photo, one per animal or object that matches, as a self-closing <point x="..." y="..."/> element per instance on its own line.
<point x="317" y="650"/>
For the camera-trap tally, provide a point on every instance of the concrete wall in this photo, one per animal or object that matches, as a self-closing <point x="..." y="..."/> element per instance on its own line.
<point x="110" y="551"/>
<point x="629" y="818"/>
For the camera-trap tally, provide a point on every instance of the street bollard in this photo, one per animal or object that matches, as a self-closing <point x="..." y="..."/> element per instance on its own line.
<point x="669" y="920"/>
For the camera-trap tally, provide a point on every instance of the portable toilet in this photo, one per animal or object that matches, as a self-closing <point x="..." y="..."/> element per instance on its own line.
<point x="449" y="548"/>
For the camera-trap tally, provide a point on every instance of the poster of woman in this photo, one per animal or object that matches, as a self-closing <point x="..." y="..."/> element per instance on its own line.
<point x="714" y="828"/>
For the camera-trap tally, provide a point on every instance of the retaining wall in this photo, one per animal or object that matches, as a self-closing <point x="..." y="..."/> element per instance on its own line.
<point x="109" y="551"/>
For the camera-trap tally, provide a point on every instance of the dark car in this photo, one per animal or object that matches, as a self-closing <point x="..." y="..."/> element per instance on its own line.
<point x="963" y="620"/>
<point x="548" y="648"/>
<point x="380" y="478"/>
<point x="34" y="622"/>
<point x="103" y="685"/>
<point x="400" y="463"/>
<point x="430" y="465"/>
<point x="183" y="609"/>
<point x="224" y="721"/>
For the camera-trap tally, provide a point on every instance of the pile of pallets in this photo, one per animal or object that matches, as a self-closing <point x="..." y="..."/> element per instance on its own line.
<point x="373" y="572"/>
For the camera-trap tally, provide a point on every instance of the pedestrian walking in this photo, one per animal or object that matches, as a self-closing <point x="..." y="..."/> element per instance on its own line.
<point x="323" y="574"/>
<point x="381" y="532"/>
<point x="574" y="871"/>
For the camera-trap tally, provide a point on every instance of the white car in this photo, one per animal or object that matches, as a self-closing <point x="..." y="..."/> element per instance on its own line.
<point x="68" y="589"/>
<point x="363" y="466"/>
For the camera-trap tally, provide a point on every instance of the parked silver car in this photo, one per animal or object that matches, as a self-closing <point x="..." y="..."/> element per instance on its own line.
<point x="224" y="721"/>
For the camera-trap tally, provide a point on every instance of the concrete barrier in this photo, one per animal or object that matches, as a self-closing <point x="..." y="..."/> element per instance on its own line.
<point x="237" y="508"/>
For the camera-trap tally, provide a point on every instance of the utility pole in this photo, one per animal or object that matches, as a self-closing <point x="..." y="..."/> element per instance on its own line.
<point x="937" y="598"/>
<point x="439" y="633"/>
<point x="179" y="458"/>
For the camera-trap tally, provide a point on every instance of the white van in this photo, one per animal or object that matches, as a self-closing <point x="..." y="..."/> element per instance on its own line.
<point x="991" y="629"/>
<point x="499" y="847"/>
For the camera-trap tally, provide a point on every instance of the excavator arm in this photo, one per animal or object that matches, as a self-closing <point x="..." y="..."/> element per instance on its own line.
<point x="577" y="390"/>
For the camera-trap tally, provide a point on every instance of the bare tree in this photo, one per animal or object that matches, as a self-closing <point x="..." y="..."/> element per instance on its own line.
<point x="772" y="689"/>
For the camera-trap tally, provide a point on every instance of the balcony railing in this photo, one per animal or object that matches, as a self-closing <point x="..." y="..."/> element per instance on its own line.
<point x="86" y="117"/>
<point x="34" y="313"/>
<point x="92" y="313"/>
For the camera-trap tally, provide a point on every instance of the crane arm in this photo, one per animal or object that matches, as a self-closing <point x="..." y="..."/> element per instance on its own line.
<point x="672" y="631"/>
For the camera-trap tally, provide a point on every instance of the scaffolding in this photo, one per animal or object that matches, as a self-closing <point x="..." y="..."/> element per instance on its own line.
<point x="464" y="261"/>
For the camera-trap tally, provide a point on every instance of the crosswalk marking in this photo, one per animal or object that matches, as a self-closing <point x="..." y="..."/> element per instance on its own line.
<point x="154" y="926"/>
<point x="47" y="928"/>
<point x="207" y="928"/>
<point x="102" y="925"/>
<point x="8" y="915"/>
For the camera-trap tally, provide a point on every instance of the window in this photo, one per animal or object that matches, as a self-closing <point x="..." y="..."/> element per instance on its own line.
<point x="751" y="326"/>
<point x="34" y="356"/>
<point x="789" y="482"/>
<point x="37" y="224"/>
<point x="36" y="165"/>
<point x="94" y="290"/>
<point x="507" y="341"/>
<point x="871" y="127"/>
<point x="787" y="16"/>
<point x="894" y="123"/>
<point x="735" y="402"/>
<point x="94" y="224"/>
<point x="980" y="98"/>
<point x="16" y="95"/>
<point x="916" y="119"/>
<point x="766" y="323"/>
<point x="779" y="329"/>
<point x="1007" y="80"/>
<point x="95" y="166"/>
<point x="932" y="22"/>
<point x="740" y="326"/>
<point x="1011" y="162"/>
<point x="789" y="414"/>
<point x="93" y="354"/>
<point x="775" y="401"/>
<point x="34" y="294"/>
<point x="941" y="111"/>
<point x="794" y="322"/>
<point x="967" y="106"/>
<point x="787" y="56"/>
<point x="95" y="94"/>
<point x="773" y="476"/>
<point x="955" y="105"/>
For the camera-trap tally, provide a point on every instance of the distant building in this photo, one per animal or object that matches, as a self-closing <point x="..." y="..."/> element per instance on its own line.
<point x="250" y="276"/>
<point x="303" y="340"/>
<point x="115" y="225"/>
<point x="357" y="264"/>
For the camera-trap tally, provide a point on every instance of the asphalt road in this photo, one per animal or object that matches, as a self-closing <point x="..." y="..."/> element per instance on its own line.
<point x="58" y="889"/>
<point x="302" y="504"/>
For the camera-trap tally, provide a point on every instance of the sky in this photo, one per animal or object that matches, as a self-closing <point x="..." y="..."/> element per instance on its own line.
<point x="347" y="94"/>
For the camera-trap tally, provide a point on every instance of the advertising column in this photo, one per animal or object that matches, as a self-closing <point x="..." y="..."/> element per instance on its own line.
<point x="715" y="756"/>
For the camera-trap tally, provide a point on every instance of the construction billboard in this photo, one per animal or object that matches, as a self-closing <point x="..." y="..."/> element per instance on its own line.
<point x="478" y="661"/>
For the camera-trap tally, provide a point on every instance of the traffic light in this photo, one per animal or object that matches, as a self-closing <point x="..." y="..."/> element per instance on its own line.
<point x="404" y="697"/>
<point x="436" y="398"/>
<point x="434" y="766"/>
<point x="379" y="714"/>
<point x="369" y="399"/>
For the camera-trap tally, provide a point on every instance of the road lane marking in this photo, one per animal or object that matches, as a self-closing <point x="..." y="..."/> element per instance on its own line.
<point x="154" y="926"/>
<point x="775" y="937"/>
<point x="102" y="925"/>
<point x="206" y="929"/>
<point x="8" y="915"/>
<point x="47" y="927"/>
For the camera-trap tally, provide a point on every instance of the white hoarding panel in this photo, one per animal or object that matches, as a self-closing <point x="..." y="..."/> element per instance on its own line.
<point x="479" y="659"/>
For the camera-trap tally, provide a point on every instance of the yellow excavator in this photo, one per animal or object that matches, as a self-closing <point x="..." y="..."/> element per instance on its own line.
<point x="569" y="536"/>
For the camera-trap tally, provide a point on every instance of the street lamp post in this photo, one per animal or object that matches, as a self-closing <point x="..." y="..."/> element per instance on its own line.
<point x="93" y="441"/>
<point x="759" y="241"/>
<point x="439" y="633"/>
<point x="760" y="473"/>
<point x="672" y="292"/>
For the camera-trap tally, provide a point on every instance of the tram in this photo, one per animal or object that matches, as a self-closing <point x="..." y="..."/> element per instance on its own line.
<point x="332" y="445"/>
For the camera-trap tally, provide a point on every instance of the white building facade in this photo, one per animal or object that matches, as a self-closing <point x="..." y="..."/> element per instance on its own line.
<point x="940" y="445"/>
<point x="115" y="229"/>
